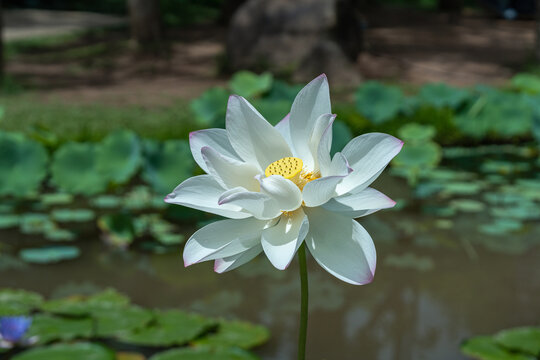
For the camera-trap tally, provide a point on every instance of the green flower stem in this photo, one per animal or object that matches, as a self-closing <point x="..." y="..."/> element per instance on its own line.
<point x="304" y="302"/>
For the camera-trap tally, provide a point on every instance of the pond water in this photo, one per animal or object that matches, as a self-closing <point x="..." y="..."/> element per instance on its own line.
<point x="436" y="285"/>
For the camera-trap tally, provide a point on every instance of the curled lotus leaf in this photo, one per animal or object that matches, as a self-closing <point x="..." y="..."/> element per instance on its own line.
<point x="23" y="164"/>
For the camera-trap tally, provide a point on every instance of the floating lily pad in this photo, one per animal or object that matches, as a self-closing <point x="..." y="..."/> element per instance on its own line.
<point x="73" y="215"/>
<point x="504" y="167"/>
<point x="467" y="205"/>
<point x="204" y="354"/>
<point x="113" y="322"/>
<point x="35" y="223"/>
<point x="236" y="334"/>
<point x="50" y="254"/>
<point x="248" y="84"/>
<point x="57" y="234"/>
<point x="167" y="165"/>
<point x="79" y="351"/>
<point x="119" y="156"/>
<point x="210" y="107"/>
<point x="74" y="169"/>
<point x="56" y="199"/>
<point x="523" y="340"/>
<point x="500" y="227"/>
<point x="462" y="188"/>
<point x="23" y="165"/>
<point x="416" y="133"/>
<point x="170" y="328"/>
<point x="49" y="328"/>
<point x="18" y="302"/>
<point x="9" y="221"/>
<point x="106" y="201"/>
<point x="409" y="261"/>
<point x="377" y="102"/>
<point x="525" y="210"/>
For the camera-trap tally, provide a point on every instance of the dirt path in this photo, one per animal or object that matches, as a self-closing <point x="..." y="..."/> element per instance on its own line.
<point x="24" y="24"/>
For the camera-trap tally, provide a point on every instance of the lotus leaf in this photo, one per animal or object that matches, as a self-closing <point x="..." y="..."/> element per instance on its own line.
<point x="78" y="351"/>
<point x="49" y="254"/>
<point x="106" y="201"/>
<point x="83" y="306"/>
<point x="462" y="188"/>
<point x="23" y="165"/>
<point x="75" y="169"/>
<point x="528" y="83"/>
<point x="409" y="261"/>
<point x="283" y="91"/>
<point x="524" y="340"/>
<point x="9" y="221"/>
<point x="18" y="302"/>
<point x="119" y="156"/>
<point x="504" y="167"/>
<point x="171" y="327"/>
<point x="167" y="165"/>
<point x="49" y="328"/>
<point x="73" y="215"/>
<point x="341" y="135"/>
<point x="110" y="323"/>
<point x="416" y="133"/>
<point x="236" y="334"/>
<point x="525" y="210"/>
<point x="442" y="95"/>
<point x="210" y="107"/>
<point x="377" y="102"/>
<point x="57" y="234"/>
<point x="140" y="197"/>
<point x="467" y="205"/>
<point x="35" y="223"/>
<point x="249" y="85"/>
<point x="204" y="354"/>
<point x="56" y="199"/>
<point x="485" y="348"/>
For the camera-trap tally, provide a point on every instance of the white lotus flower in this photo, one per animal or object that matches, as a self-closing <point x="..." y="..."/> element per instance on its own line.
<point x="279" y="187"/>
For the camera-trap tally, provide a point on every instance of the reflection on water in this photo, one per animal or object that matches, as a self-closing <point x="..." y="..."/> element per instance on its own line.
<point x="406" y="313"/>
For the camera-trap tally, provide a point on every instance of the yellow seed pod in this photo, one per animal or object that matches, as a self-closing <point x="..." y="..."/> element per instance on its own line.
<point x="289" y="168"/>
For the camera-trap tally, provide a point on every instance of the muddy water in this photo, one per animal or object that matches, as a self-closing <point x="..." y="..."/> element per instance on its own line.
<point x="409" y="312"/>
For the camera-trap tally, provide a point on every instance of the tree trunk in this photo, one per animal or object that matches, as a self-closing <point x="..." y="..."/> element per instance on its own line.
<point x="145" y="22"/>
<point x="537" y="51"/>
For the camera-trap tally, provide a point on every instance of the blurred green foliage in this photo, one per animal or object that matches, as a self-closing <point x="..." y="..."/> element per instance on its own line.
<point x="512" y="344"/>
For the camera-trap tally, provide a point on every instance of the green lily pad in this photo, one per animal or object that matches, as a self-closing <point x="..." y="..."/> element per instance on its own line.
<point x="442" y="95"/>
<point x="23" y="165"/>
<point x="500" y="227"/>
<point x="249" y="85"/>
<point x="118" y="229"/>
<point x="79" y="351"/>
<point x="18" y="302"/>
<point x="56" y="199"/>
<point x="111" y="323"/>
<point x="523" y="340"/>
<point x="49" y="328"/>
<point x="525" y="210"/>
<point x="171" y="327"/>
<point x="9" y="221"/>
<point x="50" y="254"/>
<point x="504" y="167"/>
<point x="210" y="108"/>
<point x="108" y="300"/>
<point x="462" y="188"/>
<point x="272" y="110"/>
<point x="75" y="169"/>
<point x="119" y="156"/>
<point x="204" y="354"/>
<point x="485" y="348"/>
<point x="106" y="201"/>
<point x="57" y="234"/>
<point x="467" y="205"/>
<point x="377" y="102"/>
<point x="167" y="165"/>
<point x="73" y="215"/>
<point x="283" y="91"/>
<point x="236" y="334"/>
<point x="409" y="261"/>
<point x="35" y="223"/>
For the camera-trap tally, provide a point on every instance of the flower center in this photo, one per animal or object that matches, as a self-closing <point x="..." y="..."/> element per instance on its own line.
<point x="288" y="167"/>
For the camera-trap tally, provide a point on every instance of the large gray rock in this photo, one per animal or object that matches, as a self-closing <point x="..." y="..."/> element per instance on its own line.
<point x="281" y="35"/>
